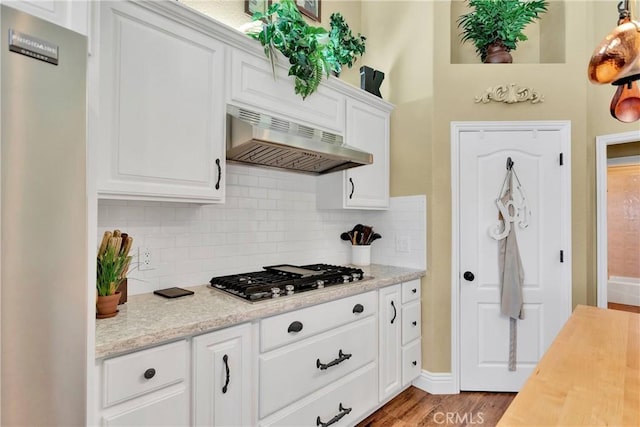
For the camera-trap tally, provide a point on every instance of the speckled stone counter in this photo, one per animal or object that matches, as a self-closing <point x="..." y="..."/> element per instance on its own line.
<point x="150" y="319"/>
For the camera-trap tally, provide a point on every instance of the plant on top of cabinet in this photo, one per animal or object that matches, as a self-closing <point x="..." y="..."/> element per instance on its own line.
<point x="112" y="266"/>
<point x="312" y="51"/>
<point x="343" y="47"/>
<point x="495" y="26"/>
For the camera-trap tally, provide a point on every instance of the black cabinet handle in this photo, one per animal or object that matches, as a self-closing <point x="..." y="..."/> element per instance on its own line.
<point x="342" y="413"/>
<point x="295" y="327"/>
<point x="395" y="312"/>
<point x="219" y="174"/>
<point x="414" y="323"/>
<point x="149" y="373"/>
<point x="225" y="359"/>
<point x="341" y="358"/>
<point x="414" y="290"/>
<point x="358" y="308"/>
<point x="353" y="188"/>
<point x="414" y="363"/>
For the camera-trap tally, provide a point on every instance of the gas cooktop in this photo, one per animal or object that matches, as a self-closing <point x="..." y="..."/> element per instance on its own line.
<point x="285" y="279"/>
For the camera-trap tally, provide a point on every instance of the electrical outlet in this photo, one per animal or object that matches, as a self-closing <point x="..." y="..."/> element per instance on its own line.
<point x="146" y="259"/>
<point x="402" y="244"/>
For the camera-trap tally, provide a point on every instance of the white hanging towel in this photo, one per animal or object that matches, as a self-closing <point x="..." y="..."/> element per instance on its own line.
<point x="511" y="275"/>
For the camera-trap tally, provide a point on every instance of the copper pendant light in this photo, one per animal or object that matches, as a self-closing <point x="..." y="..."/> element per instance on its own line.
<point x="616" y="60"/>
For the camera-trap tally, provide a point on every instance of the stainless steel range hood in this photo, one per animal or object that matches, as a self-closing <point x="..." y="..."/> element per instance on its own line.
<point x="264" y="140"/>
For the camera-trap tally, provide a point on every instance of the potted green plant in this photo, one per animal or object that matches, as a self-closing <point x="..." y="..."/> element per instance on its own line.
<point x="343" y="47"/>
<point x="495" y="26"/>
<point x="312" y="51"/>
<point x="112" y="266"/>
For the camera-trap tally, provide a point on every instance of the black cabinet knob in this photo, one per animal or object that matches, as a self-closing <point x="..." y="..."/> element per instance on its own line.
<point x="149" y="373"/>
<point x="295" y="327"/>
<point x="414" y="290"/>
<point x="468" y="276"/>
<point x="414" y="363"/>
<point x="358" y="308"/>
<point x="414" y="323"/>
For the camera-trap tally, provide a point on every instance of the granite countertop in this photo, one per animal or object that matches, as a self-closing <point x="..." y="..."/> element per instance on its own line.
<point x="149" y="319"/>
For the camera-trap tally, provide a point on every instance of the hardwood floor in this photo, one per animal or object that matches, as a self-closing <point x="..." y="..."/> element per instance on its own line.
<point x="623" y="307"/>
<point x="415" y="407"/>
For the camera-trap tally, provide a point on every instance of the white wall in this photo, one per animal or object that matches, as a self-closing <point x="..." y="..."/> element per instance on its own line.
<point x="269" y="217"/>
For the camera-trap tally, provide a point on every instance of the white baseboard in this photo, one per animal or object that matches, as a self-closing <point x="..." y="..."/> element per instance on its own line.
<point x="436" y="382"/>
<point x="623" y="290"/>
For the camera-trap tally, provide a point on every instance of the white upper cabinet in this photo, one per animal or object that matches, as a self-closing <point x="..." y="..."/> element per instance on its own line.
<point x="253" y="86"/>
<point x="71" y="14"/>
<point x="363" y="187"/>
<point x="160" y="124"/>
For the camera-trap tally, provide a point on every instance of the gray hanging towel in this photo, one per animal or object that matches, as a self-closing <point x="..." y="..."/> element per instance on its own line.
<point x="511" y="277"/>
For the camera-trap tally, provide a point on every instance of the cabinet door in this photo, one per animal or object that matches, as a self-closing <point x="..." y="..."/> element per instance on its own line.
<point x="390" y="329"/>
<point x="368" y="129"/>
<point x="362" y="187"/>
<point x="71" y="14"/>
<point x="222" y="377"/>
<point x="252" y="85"/>
<point x="161" y="118"/>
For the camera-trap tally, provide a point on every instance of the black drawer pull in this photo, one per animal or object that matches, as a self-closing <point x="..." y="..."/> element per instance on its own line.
<point x="395" y="312"/>
<point x="358" y="308"/>
<point x="225" y="359"/>
<point x="343" y="412"/>
<point x="149" y="373"/>
<point x="295" y="327"/>
<point x="414" y="363"/>
<point x="414" y="290"/>
<point x="414" y="323"/>
<point x="341" y="358"/>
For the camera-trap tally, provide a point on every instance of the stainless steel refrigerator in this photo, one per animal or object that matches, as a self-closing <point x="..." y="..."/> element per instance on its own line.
<point x="43" y="289"/>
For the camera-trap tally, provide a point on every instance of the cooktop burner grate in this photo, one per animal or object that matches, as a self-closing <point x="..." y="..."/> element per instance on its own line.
<point x="279" y="280"/>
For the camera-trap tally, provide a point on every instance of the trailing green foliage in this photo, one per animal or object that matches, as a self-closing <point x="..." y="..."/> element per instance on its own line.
<point x="312" y="51"/>
<point x="343" y="47"/>
<point x="498" y="21"/>
<point x="111" y="265"/>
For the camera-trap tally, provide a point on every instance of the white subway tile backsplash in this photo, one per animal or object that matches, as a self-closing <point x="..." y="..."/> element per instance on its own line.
<point x="269" y="217"/>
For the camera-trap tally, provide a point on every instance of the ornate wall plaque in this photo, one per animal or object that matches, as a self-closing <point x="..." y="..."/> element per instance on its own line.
<point x="510" y="94"/>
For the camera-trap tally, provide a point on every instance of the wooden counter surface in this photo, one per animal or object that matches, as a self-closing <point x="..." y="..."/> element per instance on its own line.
<point x="590" y="376"/>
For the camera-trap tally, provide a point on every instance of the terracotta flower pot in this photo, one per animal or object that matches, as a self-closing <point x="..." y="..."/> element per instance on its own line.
<point x="107" y="306"/>
<point x="497" y="54"/>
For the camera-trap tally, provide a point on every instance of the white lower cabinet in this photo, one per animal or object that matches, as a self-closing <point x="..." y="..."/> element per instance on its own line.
<point x="400" y="337"/>
<point x="332" y="363"/>
<point x="222" y="371"/>
<point x="342" y="403"/>
<point x="390" y="329"/>
<point x="168" y="410"/>
<point x="146" y="388"/>
<point x="330" y="375"/>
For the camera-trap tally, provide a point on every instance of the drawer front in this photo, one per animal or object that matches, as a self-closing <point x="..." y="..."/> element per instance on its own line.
<point x="172" y="410"/>
<point x="354" y="397"/>
<point x="290" y="373"/>
<point x="411" y="291"/>
<point x="410" y="322"/>
<point x="253" y="85"/>
<point x="411" y="362"/>
<point x="138" y="373"/>
<point x="284" y="329"/>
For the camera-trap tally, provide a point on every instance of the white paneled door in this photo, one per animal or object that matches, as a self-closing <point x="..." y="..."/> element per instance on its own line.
<point x="540" y="152"/>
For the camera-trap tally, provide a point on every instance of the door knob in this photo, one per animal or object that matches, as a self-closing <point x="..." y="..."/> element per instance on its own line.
<point x="468" y="276"/>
